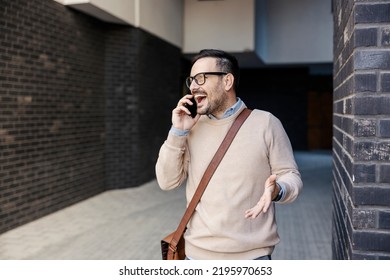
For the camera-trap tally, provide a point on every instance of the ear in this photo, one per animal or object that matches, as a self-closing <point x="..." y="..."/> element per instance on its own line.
<point x="228" y="81"/>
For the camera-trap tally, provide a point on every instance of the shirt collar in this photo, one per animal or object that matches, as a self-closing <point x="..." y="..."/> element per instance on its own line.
<point x="229" y="111"/>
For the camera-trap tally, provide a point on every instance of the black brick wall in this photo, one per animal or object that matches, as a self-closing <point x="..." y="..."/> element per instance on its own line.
<point x="83" y="107"/>
<point x="361" y="138"/>
<point x="52" y="110"/>
<point x="143" y="85"/>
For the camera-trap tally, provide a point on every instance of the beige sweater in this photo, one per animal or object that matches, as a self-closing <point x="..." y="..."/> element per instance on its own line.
<point x="218" y="229"/>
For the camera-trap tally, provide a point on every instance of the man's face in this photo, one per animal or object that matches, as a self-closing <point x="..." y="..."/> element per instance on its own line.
<point x="210" y="97"/>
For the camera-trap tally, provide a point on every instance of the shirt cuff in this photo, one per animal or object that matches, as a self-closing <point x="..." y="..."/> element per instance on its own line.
<point x="179" y="132"/>
<point x="282" y="192"/>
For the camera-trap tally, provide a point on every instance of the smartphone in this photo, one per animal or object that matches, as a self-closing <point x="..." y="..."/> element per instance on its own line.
<point x="192" y="108"/>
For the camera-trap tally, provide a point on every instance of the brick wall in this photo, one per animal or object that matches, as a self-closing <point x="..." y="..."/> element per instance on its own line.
<point x="361" y="137"/>
<point x="52" y="110"/>
<point x="82" y="108"/>
<point x="142" y="87"/>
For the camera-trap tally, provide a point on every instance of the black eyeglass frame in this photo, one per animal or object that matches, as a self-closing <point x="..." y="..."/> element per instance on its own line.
<point x="190" y="79"/>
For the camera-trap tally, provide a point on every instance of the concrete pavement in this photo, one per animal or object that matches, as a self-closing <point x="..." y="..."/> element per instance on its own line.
<point x="129" y="223"/>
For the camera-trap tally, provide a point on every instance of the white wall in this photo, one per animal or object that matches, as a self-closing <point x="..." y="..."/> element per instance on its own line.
<point x="115" y="11"/>
<point x="296" y="31"/>
<point x="226" y="24"/>
<point x="123" y="9"/>
<point x="163" y="18"/>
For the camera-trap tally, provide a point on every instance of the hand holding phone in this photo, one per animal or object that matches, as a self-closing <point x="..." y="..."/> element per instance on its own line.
<point x="192" y="108"/>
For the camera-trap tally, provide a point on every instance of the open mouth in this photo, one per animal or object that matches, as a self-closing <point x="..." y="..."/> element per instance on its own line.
<point x="199" y="98"/>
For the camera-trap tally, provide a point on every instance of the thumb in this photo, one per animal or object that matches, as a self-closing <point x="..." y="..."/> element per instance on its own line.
<point x="271" y="179"/>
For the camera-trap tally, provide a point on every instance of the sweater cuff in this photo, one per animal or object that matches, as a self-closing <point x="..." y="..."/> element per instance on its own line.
<point x="179" y="132"/>
<point x="282" y="192"/>
<point x="175" y="141"/>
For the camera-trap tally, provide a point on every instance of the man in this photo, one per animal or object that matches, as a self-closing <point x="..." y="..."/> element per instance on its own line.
<point x="257" y="170"/>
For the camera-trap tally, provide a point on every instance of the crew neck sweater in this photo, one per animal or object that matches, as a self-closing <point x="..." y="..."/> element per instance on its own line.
<point x="218" y="228"/>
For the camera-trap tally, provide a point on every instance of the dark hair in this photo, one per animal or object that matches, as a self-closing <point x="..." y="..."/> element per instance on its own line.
<point x="225" y="61"/>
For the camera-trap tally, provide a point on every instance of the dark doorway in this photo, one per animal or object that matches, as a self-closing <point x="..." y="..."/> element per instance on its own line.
<point x="302" y="102"/>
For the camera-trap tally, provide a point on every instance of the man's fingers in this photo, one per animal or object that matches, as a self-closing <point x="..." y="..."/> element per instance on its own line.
<point x="252" y="213"/>
<point x="266" y="206"/>
<point x="265" y="200"/>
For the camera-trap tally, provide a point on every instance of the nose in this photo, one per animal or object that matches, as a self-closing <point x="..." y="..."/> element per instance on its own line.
<point x="193" y="85"/>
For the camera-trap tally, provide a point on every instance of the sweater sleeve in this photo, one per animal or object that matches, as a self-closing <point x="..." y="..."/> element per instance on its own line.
<point x="172" y="163"/>
<point x="282" y="160"/>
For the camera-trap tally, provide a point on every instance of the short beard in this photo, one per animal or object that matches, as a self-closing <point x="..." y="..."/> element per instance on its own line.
<point x="216" y="106"/>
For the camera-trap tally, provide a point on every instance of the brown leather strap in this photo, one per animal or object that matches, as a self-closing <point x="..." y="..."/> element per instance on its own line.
<point x="207" y="176"/>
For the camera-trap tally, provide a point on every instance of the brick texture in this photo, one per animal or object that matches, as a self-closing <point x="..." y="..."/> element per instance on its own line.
<point x="79" y="100"/>
<point x="52" y="110"/>
<point x="361" y="146"/>
<point x="385" y="82"/>
<point x="142" y="84"/>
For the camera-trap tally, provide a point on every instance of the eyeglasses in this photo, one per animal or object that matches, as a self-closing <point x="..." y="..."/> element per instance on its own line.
<point x="200" y="78"/>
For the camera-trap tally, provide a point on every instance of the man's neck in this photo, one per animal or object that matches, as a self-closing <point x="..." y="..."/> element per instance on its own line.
<point x="228" y="112"/>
